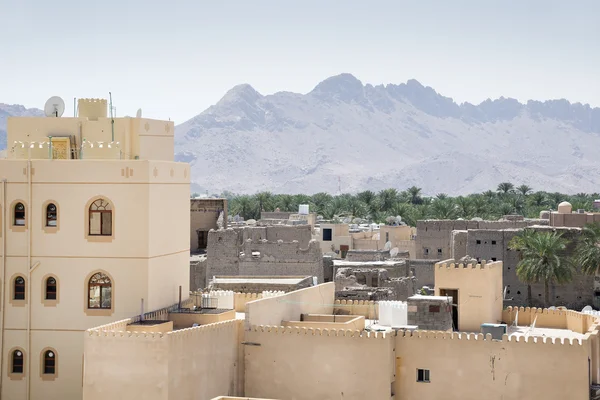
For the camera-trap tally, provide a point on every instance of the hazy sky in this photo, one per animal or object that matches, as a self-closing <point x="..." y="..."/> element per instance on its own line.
<point x="175" y="58"/>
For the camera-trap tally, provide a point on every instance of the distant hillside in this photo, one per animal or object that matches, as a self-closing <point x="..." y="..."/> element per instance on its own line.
<point x="14" y="110"/>
<point x="373" y="137"/>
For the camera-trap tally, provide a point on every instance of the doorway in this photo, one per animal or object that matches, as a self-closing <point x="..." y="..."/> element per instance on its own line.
<point x="202" y="239"/>
<point x="454" y="294"/>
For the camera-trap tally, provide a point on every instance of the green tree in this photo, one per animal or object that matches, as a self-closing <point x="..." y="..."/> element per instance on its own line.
<point x="415" y="195"/>
<point x="443" y="209"/>
<point x="505" y="187"/>
<point x="587" y="251"/>
<point x="388" y="197"/>
<point x="524" y="190"/>
<point x="543" y="260"/>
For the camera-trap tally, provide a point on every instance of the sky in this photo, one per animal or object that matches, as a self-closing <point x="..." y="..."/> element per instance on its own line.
<point x="175" y="58"/>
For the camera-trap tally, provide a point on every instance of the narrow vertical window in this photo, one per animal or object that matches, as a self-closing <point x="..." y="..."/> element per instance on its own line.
<point x="49" y="362"/>
<point x="19" y="215"/>
<point x="19" y="288"/>
<point x="17" y="362"/>
<point x="51" y="288"/>
<point x="100" y="214"/>
<point x="51" y="215"/>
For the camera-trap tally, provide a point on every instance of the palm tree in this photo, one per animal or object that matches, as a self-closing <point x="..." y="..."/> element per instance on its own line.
<point x="366" y="197"/>
<point x="443" y="209"/>
<point x="415" y="195"/>
<point x="543" y="260"/>
<point x="263" y="199"/>
<point x="244" y="206"/>
<point x="587" y="251"/>
<point x="538" y="199"/>
<point x="388" y="198"/>
<point x="505" y="187"/>
<point x="524" y="190"/>
<point x="285" y="202"/>
<point x="464" y="207"/>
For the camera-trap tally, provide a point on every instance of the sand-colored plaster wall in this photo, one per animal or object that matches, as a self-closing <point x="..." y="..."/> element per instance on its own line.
<point x="352" y="322"/>
<point x="186" y="320"/>
<point x="471" y="368"/>
<point x="241" y="299"/>
<point x="479" y="291"/>
<point x="203" y="361"/>
<point x="367" y="308"/>
<point x="288" y="307"/>
<point x="136" y="364"/>
<point x="306" y="364"/>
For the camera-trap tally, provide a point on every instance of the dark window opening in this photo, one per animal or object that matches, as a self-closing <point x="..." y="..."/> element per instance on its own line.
<point x="19" y="215"/>
<point x="426" y="251"/>
<point x="50" y="289"/>
<point x="17" y="362"/>
<point x="387" y="236"/>
<point x="439" y="252"/>
<point x="51" y="215"/>
<point x="327" y="234"/>
<point x="49" y="362"/>
<point x="478" y="241"/>
<point x="493" y="242"/>
<point x="434" y="309"/>
<point x="423" y="375"/>
<point x="19" y="289"/>
<point x="493" y="258"/>
<point x="518" y="292"/>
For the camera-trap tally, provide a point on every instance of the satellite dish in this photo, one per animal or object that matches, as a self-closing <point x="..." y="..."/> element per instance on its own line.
<point x="138" y="114"/>
<point x="587" y="309"/>
<point x="388" y="246"/>
<point x="394" y="252"/>
<point x="552" y="308"/>
<point x="54" y="107"/>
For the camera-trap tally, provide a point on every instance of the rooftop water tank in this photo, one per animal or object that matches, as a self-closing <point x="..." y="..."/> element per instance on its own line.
<point x="303" y="209"/>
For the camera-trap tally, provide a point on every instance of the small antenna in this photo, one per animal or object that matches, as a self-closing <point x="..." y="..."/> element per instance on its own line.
<point x="112" y="120"/>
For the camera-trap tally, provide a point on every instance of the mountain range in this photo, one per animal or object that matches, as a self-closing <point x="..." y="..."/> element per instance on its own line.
<point x="344" y="135"/>
<point x="347" y="136"/>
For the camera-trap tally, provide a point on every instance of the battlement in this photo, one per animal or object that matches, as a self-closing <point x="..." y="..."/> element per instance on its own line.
<point x="294" y="330"/>
<point x="217" y="327"/>
<point x="117" y="326"/>
<point x="557" y="319"/>
<point x="481" y="338"/>
<point x="127" y="334"/>
<point x="367" y="308"/>
<point x="483" y="265"/>
<point x="92" y="108"/>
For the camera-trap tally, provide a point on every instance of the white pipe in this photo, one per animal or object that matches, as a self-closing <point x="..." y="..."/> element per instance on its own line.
<point x="4" y="212"/>
<point x="29" y="270"/>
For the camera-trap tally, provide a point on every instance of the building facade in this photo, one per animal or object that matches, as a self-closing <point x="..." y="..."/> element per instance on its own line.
<point x="94" y="228"/>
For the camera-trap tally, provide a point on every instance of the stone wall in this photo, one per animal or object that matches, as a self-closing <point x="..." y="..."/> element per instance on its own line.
<point x="275" y="215"/>
<point x="204" y="214"/>
<point x="459" y="244"/>
<point x="430" y="312"/>
<point x="364" y="284"/>
<point x="226" y="255"/>
<point x="423" y="271"/>
<point x="434" y="237"/>
<point x="197" y="274"/>
<point x="327" y="268"/>
<point x="367" y="255"/>
<point x="486" y="244"/>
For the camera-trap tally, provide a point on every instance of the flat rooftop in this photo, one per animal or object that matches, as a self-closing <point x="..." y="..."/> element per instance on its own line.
<point x="264" y="280"/>
<point x="516" y="331"/>
<point x="387" y="263"/>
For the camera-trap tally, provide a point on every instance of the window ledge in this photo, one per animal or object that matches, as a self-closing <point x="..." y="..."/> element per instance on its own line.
<point x="18" y="303"/>
<point x="48" y="377"/>
<point x="98" y="312"/>
<point x="50" y="303"/>
<point x="50" y="229"/>
<point x="16" y="377"/>
<point x="18" y="228"/>
<point x="100" y="238"/>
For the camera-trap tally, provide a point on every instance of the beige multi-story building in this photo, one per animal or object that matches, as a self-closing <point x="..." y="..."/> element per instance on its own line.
<point x="94" y="228"/>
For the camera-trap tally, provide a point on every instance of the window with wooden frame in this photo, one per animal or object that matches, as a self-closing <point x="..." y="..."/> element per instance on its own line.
<point x="19" y="214"/>
<point x="100" y="292"/>
<point x="50" y="288"/>
<point x="19" y="288"/>
<point x="100" y="215"/>
<point x="49" y="363"/>
<point x="17" y="362"/>
<point x="51" y="215"/>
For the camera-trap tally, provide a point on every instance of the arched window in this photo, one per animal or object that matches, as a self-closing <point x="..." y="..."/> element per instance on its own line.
<point x="100" y="291"/>
<point x="17" y="362"/>
<point x="51" y="215"/>
<point x="51" y="288"/>
<point x="19" y="215"/>
<point x="19" y="288"/>
<point x="49" y="362"/>
<point x="100" y="218"/>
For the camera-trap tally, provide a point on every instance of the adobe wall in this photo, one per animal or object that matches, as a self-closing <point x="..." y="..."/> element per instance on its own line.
<point x="204" y="214"/>
<point x="281" y="258"/>
<point x="459" y="244"/>
<point x="198" y="274"/>
<point x="430" y="313"/>
<point x="230" y="251"/>
<point x="367" y="255"/>
<point x="467" y="367"/>
<point x="250" y="286"/>
<point x="574" y="295"/>
<point x="275" y="215"/>
<point x="434" y="237"/>
<point x="356" y="365"/>
<point x="423" y="271"/>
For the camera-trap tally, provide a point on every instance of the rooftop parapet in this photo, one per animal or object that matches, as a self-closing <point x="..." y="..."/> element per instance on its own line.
<point x="451" y="265"/>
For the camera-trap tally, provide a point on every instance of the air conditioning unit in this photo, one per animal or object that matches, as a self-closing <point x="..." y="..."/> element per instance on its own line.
<point x="209" y="302"/>
<point x="581" y="211"/>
